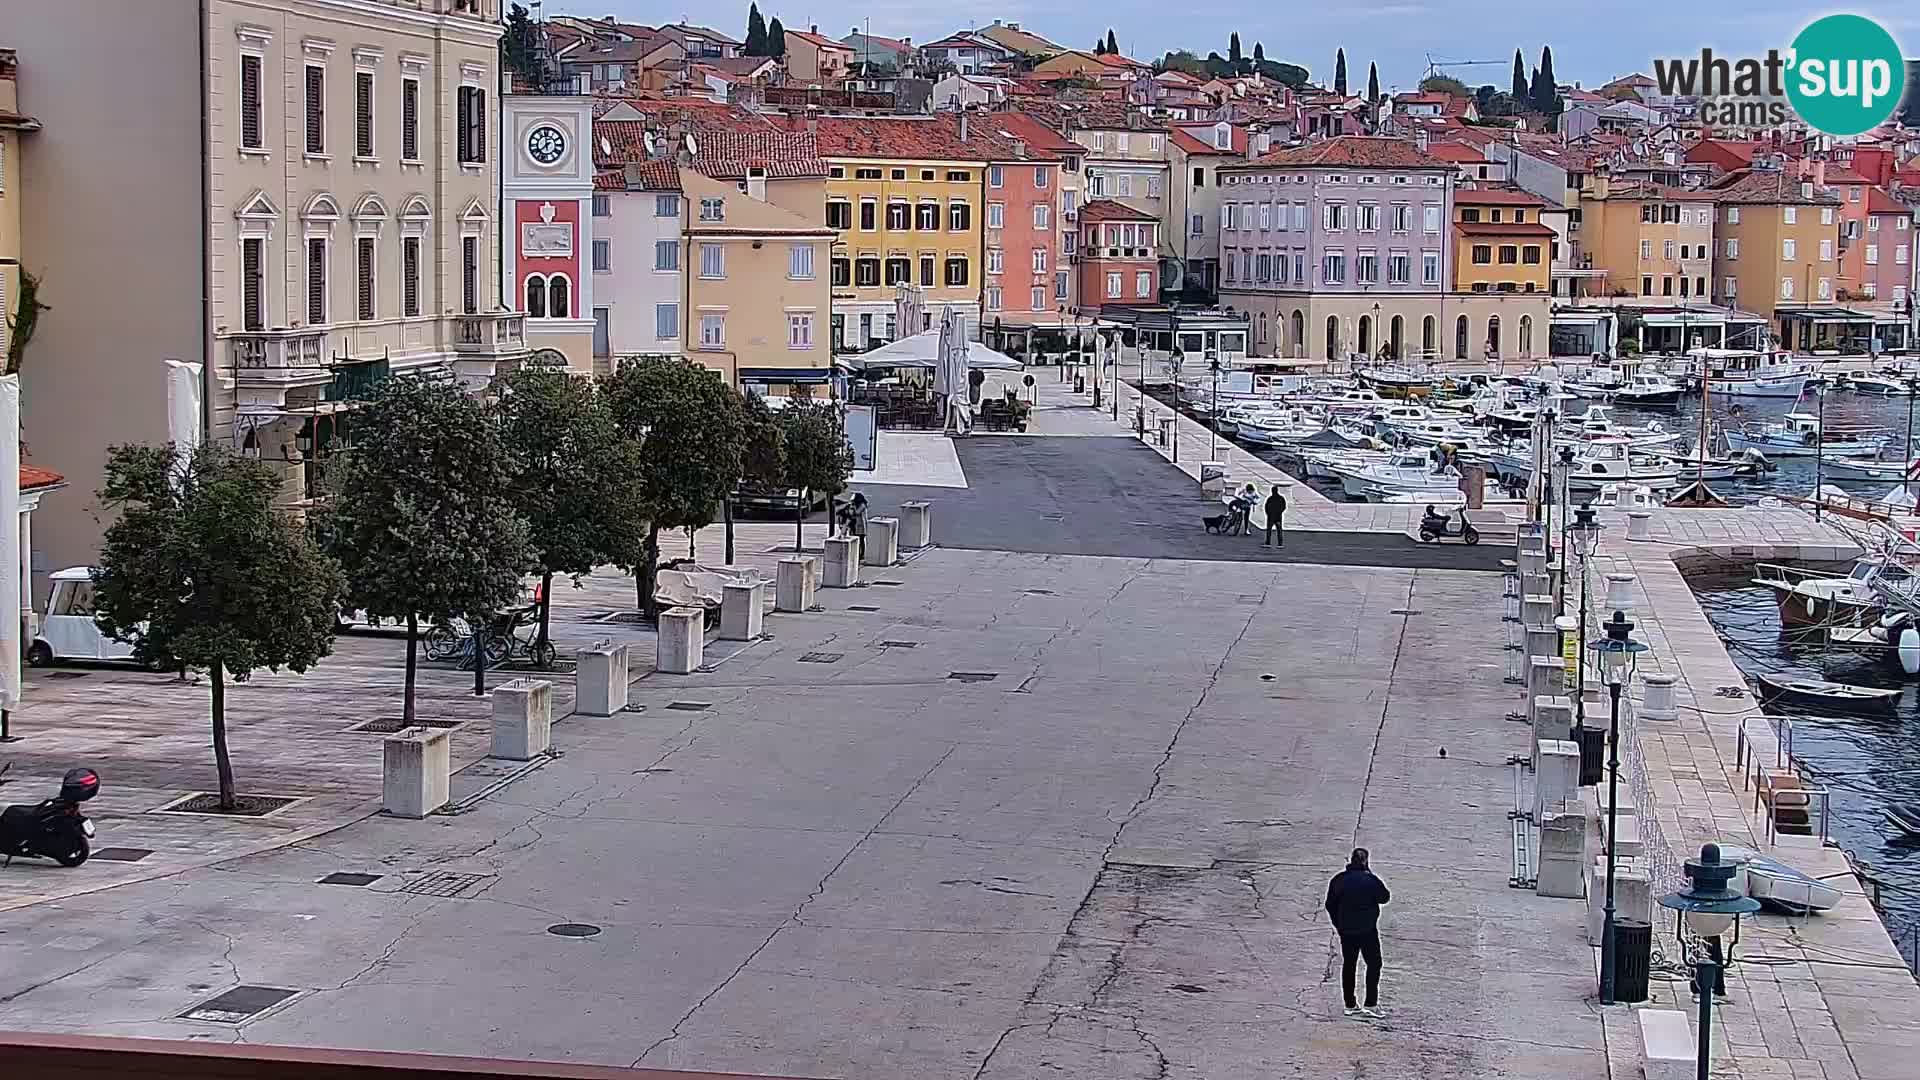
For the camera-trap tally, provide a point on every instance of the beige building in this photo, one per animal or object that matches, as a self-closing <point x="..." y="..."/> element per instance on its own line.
<point x="1652" y="243"/>
<point x="1777" y="236"/>
<point x="13" y="125"/>
<point x="331" y="218"/>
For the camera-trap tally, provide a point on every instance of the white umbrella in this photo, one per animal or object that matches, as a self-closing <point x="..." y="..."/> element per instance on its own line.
<point x="922" y="350"/>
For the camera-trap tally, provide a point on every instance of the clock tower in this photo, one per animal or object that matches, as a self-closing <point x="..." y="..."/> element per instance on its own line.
<point x="547" y="190"/>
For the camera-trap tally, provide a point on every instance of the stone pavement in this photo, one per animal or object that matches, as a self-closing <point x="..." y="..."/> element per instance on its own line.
<point x="1101" y="853"/>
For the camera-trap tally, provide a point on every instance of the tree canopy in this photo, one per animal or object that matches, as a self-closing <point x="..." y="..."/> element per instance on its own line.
<point x="1112" y="44"/>
<point x="1444" y="84"/>
<point x="776" y="39"/>
<point x="818" y="457"/>
<point x="520" y="49"/>
<point x="1543" y="95"/>
<point x="1373" y="84"/>
<point x="756" y="43"/>
<point x="1519" y="89"/>
<point x="1233" y="48"/>
<point x="1259" y="53"/>
<point x="1340" y="72"/>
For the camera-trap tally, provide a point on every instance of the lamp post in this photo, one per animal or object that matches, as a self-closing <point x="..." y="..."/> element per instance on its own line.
<point x="1616" y="654"/>
<point x="1565" y="497"/>
<point x="1213" y="416"/>
<point x="1906" y="452"/>
<point x="1174" y="359"/>
<point x="1113" y="354"/>
<point x="1584" y="535"/>
<point x="1819" y="450"/>
<point x="1708" y="908"/>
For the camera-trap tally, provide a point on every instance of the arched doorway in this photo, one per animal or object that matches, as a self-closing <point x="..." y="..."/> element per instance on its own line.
<point x="1262" y="335"/>
<point x="1299" y="339"/>
<point x="1460" y="338"/>
<point x="1394" y="339"/>
<point x="1366" y="336"/>
<point x="1429" y="341"/>
<point x="1526" y="335"/>
<point x="1493" y="335"/>
<point x="1333" y="337"/>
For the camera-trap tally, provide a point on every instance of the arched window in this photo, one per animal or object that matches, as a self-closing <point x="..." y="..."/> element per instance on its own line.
<point x="1493" y="335"/>
<point x="1460" y="338"/>
<point x="1263" y="328"/>
<point x="1333" y="337"/>
<point x="536" y="296"/>
<point x="1366" y="335"/>
<point x="1299" y="333"/>
<point x="1395" y="338"/>
<point x="1428" y="344"/>
<point x="1526" y="335"/>
<point x="557" y="297"/>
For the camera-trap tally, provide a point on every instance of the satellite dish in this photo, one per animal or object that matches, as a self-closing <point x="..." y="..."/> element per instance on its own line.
<point x="651" y="142"/>
<point x="606" y="148"/>
<point x="692" y="147"/>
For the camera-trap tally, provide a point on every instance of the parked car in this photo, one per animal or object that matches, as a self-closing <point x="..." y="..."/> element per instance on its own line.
<point x="68" y="631"/>
<point x="775" y="502"/>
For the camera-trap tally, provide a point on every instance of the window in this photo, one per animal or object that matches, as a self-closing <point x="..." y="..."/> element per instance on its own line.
<point x="1399" y="268"/>
<point x="363" y="114"/>
<point x="364" y="276"/>
<point x="1790" y="214"/>
<point x="1646" y="250"/>
<point x="252" y="137"/>
<point x="866" y="270"/>
<point x="1786" y="288"/>
<point x="956" y="271"/>
<point x="1666" y="249"/>
<point x="996" y="215"/>
<point x="1040" y="180"/>
<point x="253" y="285"/>
<point x="1700" y="286"/>
<point x="558" y="306"/>
<point x="1369" y="217"/>
<point x="316" y="109"/>
<point x="1043" y="217"/>
<point x="666" y="206"/>
<point x="410" y="276"/>
<point x="1873" y="224"/>
<point x="926" y="271"/>
<point x="1430" y="218"/>
<point x="1482" y="254"/>
<point x="1300" y="216"/>
<point x="1826" y="215"/>
<point x="1519" y="216"/>
<point x="1266" y="216"/>
<point x="602" y="206"/>
<point x="1825" y="289"/>
<point x="1469" y="213"/>
<point x="1366" y="268"/>
<point x="800" y="262"/>
<point x="1683" y="286"/>
<point x="713" y="330"/>
<point x="1733" y="248"/>
<point x="899" y="216"/>
<point x="316" y="281"/>
<point x="1143" y="283"/>
<point x="1226" y="217"/>
<point x="1530" y="255"/>
<point x="1870" y="289"/>
<point x="602" y="331"/>
<point x="1198" y="224"/>
<point x="1060" y="285"/>
<point x="1402" y="217"/>
<point x="995" y="178"/>
<point x="899" y="174"/>
<point x="1333" y="216"/>
<point x="472" y="121"/>
<point x="839" y="214"/>
<point x="900" y="271"/>
<point x="666" y="255"/>
<point x="866" y="174"/>
<point x="1900" y="255"/>
<point x="1333" y="268"/>
<point x="713" y="209"/>
<point x="1038" y="300"/>
<point x="536" y="296"/>
<point x="1729" y="287"/>
<point x="1826" y="251"/>
<point x="1788" y="248"/>
<point x="1113" y="285"/>
<point x="799" y="329"/>
<point x="927" y="174"/>
<point x="1733" y="215"/>
<point x="470" y="274"/>
<point x="994" y="264"/>
<point x="960" y="176"/>
<point x="713" y="261"/>
<point x="1509" y="254"/>
<point x="1646" y="285"/>
<point x="959" y="217"/>
<point x="927" y="217"/>
<point x="1900" y="224"/>
<point x="1120" y="140"/>
<point x="993" y="297"/>
<point x="603" y="256"/>
<point x="1123" y="185"/>
<point x="842" y="272"/>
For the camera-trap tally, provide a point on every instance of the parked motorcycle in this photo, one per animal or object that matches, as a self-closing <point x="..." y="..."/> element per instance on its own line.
<point x="54" y="829"/>
<point x="1434" y="525"/>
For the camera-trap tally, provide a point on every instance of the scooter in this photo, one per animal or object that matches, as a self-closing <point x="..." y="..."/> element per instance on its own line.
<point x="54" y="829"/>
<point x="1434" y="526"/>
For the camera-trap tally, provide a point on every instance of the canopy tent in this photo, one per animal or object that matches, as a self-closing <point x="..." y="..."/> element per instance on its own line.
<point x="922" y="350"/>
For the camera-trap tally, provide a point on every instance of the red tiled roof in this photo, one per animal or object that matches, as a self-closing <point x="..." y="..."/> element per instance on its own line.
<point x="33" y="476"/>
<point x="1119" y="61"/>
<point x="1108" y="210"/>
<point x="934" y="138"/>
<point x="1354" y="152"/>
<point x="1194" y="144"/>
<point x="1042" y="141"/>
<point x="1749" y="186"/>
<point x="817" y="40"/>
<point x="1841" y="174"/>
<point x="1496" y="197"/>
<point x="653" y="175"/>
<point x="725" y="152"/>
<point x="1503" y="228"/>
<point x="1462" y="153"/>
<point x="1640" y="191"/>
<point x="1879" y="202"/>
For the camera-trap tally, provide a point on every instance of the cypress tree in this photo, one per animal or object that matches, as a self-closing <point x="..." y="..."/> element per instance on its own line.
<point x="1340" y="72"/>
<point x="1544" y="94"/>
<point x="1259" y="54"/>
<point x="1113" y="44"/>
<point x="1373" y="84"/>
<point x="756" y="32"/>
<point x="776" y="39"/>
<point x="1519" y="91"/>
<point x="1233" y="47"/>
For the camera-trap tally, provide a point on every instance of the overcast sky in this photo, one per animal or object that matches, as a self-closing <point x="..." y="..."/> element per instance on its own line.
<point x="1592" y="42"/>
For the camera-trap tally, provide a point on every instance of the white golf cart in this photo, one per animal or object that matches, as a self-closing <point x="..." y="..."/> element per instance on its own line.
<point x="68" y="632"/>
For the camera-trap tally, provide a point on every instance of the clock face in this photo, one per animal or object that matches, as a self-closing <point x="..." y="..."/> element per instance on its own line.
<point x="545" y="144"/>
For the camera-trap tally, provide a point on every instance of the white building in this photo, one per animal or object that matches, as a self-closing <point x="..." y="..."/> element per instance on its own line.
<point x="547" y="196"/>
<point x="638" y="285"/>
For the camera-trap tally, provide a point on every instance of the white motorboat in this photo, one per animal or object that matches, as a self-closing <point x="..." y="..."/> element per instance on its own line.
<point x="1325" y="464"/>
<point x="1626" y="497"/>
<point x="1886" y="472"/>
<point x="1647" y="390"/>
<point x="1810" y="598"/>
<point x="1878" y="385"/>
<point x="1801" y="434"/>
<point x="1596" y="464"/>
<point x="1766" y="373"/>
<point x="1273" y="427"/>
<point x="1598" y="423"/>
<point x="1403" y="471"/>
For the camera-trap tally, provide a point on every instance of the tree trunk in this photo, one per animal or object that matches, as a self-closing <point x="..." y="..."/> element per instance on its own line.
<point x="692" y="555"/>
<point x="648" y="573"/>
<point x="799" y="522"/>
<point x="221" y="762"/>
<point x="406" y="697"/>
<point x="546" y="604"/>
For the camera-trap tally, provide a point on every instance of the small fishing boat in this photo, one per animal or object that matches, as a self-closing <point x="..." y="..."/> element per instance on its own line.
<point x="1831" y="696"/>
<point x="1780" y="888"/>
<point x="1767" y="373"/>
<point x="1644" y="390"/>
<point x="1878" y="385"/>
<point x="1905" y="817"/>
<point x="1886" y="472"/>
<point x="1801" y="434"/>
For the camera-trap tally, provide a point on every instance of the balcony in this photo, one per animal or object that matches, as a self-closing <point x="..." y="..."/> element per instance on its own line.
<point x="280" y="357"/>
<point x="482" y="344"/>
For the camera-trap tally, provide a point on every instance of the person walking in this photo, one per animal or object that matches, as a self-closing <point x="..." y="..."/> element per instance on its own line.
<point x="1276" y="508"/>
<point x="1354" y="897"/>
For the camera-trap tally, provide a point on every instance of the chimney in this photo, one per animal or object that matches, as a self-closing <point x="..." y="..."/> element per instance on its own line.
<point x="1820" y="173"/>
<point x="633" y="175"/>
<point x="813" y="28"/>
<point x="1013" y="26"/>
<point x="813" y="121"/>
<point x="1421" y="137"/>
<point x="1020" y="149"/>
<point x="757" y="184"/>
<point x="963" y="124"/>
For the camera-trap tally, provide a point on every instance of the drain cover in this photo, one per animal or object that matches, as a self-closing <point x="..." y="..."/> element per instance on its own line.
<point x="861" y="607"/>
<point x="573" y="929"/>
<point x="973" y="676"/>
<point x="1404" y="611"/>
<point x="690" y="706"/>
<point x="889" y="583"/>
<point x="392" y="725"/>
<point x="355" y="880"/>
<point x="1248" y="598"/>
<point x="122" y="854"/>
<point x="239" y="1004"/>
<point x="443" y="883"/>
<point x="1039" y="592"/>
<point x="821" y="658"/>
<point x="899" y="644"/>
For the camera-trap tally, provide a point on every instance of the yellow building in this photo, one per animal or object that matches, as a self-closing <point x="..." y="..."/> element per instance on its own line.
<point x="1652" y="242"/>
<point x="1500" y="243"/>
<point x="12" y="126"/>
<point x="906" y="197"/>
<point x="1778" y="238"/>
<point x="758" y="299"/>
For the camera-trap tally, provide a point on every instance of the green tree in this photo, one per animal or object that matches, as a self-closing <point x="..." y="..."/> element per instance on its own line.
<point x="1181" y="60"/>
<point x="24" y="322"/>
<point x="1340" y="72"/>
<point x="422" y="520"/>
<point x="575" y="478"/>
<point x="1543" y="94"/>
<point x="1113" y="44"/>
<point x="520" y="48"/>
<point x="818" y="457"/>
<point x="200" y="570"/>
<point x="1259" y="54"/>
<point x="1233" y="48"/>
<point x="1291" y="75"/>
<point x="692" y="432"/>
<point x="763" y="445"/>
<point x="756" y="44"/>
<point x="776" y="39"/>
<point x="1373" y="85"/>
<point x="1444" y="84"/>
<point x="1519" y="90"/>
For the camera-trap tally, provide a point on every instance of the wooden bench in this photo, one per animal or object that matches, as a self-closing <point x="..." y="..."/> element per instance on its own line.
<point x="1666" y="1045"/>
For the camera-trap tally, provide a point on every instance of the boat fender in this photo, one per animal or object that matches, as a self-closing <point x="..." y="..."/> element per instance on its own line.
<point x="1910" y="651"/>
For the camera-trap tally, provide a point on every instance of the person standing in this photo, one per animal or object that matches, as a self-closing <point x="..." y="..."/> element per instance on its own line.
<point x="1244" y="503"/>
<point x="1354" y="897"/>
<point x="1276" y="508"/>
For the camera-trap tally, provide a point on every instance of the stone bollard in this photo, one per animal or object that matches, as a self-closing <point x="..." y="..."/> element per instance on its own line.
<point x="743" y="606"/>
<point x="842" y="569"/>
<point x="681" y="644"/>
<point x="522" y="719"/>
<point x="1543" y="640"/>
<point x="881" y="546"/>
<point x="1620" y="593"/>
<point x="416" y="771"/>
<point x="1536" y="609"/>
<point x="916" y="525"/>
<point x="1545" y="675"/>
<point x="1556" y="779"/>
<point x="1533" y="563"/>
<point x="1552" y="719"/>
<point x="1563" y="857"/>
<point x="601" y="686"/>
<point x="1213" y="479"/>
<point x="1659" y="704"/>
<point x="793" y="587"/>
<point x="1639" y="525"/>
<point x="1632" y="896"/>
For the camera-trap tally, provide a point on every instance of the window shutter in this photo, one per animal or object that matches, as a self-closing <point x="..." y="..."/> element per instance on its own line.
<point x="470" y="274"/>
<point x="410" y="276"/>
<point x="410" y="120"/>
<point x="250" y="102"/>
<point x="464" y="110"/>
<point x="316" y="282"/>
<point x="363" y="115"/>
<point x="366" y="277"/>
<point x="479" y="125"/>
<point x="316" y="110"/>
<point x="252" y="266"/>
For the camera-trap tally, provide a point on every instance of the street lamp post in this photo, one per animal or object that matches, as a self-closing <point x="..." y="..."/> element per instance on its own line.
<point x="1174" y="359"/>
<point x="1819" y="451"/>
<point x="1113" y="353"/>
<point x="1616" y="653"/>
<point x="1565" y="495"/>
<point x="1584" y="535"/>
<point x="1708" y="908"/>
<point x="1213" y="416"/>
<point x="1906" y="452"/>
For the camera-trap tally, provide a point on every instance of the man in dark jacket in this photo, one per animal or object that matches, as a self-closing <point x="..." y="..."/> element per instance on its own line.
<point x="1354" y="897"/>
<point x="1276" y="509"/>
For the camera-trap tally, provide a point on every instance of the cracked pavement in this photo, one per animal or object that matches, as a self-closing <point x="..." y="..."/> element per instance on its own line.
<point x="1106" y="862"/>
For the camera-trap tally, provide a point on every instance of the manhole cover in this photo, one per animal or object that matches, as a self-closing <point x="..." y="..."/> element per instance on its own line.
<point x="973" y="676"/>
<point x="67" y="674"/>
<point x="861" y="607"/>
<point x="239" y="1004"/>
<point x="1248" y="598"/>
<point x="821" y="658"/>
<point x="890" y="583"/>
<point x="393" y="725"/>
<point x="899" y="644"/>
<point x="121" y="854"/>
<point x="443" y="883"/>
<point x="1188" y="988"/>
<point x="573" y="929"/>
<point x="1039" y="592"/>
<point x="1053" y="517"/>
<point x="690" y="706"/>
<point x="1269" y="677"/>
<point x="202" y="802"/>
<point x="355" y="880"/>
<point x="1404" y="611"/>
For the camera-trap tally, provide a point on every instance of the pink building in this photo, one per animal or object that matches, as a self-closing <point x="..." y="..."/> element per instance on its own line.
<point x="1887" y="271"/>
<point x="1119" y="255"/>
<point x="1027" y="278"/>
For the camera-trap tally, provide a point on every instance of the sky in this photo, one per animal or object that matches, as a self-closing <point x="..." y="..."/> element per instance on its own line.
<point x="1592" y="42"/>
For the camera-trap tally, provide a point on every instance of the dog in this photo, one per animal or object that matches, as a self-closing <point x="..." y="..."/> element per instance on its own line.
<point x="1218" y="523"/>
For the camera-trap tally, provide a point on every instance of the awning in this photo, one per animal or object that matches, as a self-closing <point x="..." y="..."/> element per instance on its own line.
<point x="1701" y="316"/>
<point x="922" y="350"/>
<point x="1583" y="317"/>
<point x="806" y="375"/>
<point x="1825" y="315"/>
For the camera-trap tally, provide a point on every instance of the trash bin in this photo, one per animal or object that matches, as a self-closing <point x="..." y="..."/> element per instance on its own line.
<point x="1632" y="959"/>
<point x="1079" y="384"/>
<point x="1593" y="755"/>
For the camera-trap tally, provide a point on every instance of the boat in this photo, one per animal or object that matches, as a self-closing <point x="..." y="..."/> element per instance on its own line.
<point x="1765" y="373"/>
<point x="1829" y="696"/>
<point x="1272" y="428"/>
<point x="1905" y="817"/>
<point x="1780" y="888"/>
<point x="1395" y="382"/>
<point x="1810" y="598"/>
<point x="1801" y="434"/>
<point x="1403" y="471"/>
<point x="1648" y="390"/>
<point x="1598" y="423"/>
<point x="1878" y="385"/>
<point x="1886" y="472"/>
